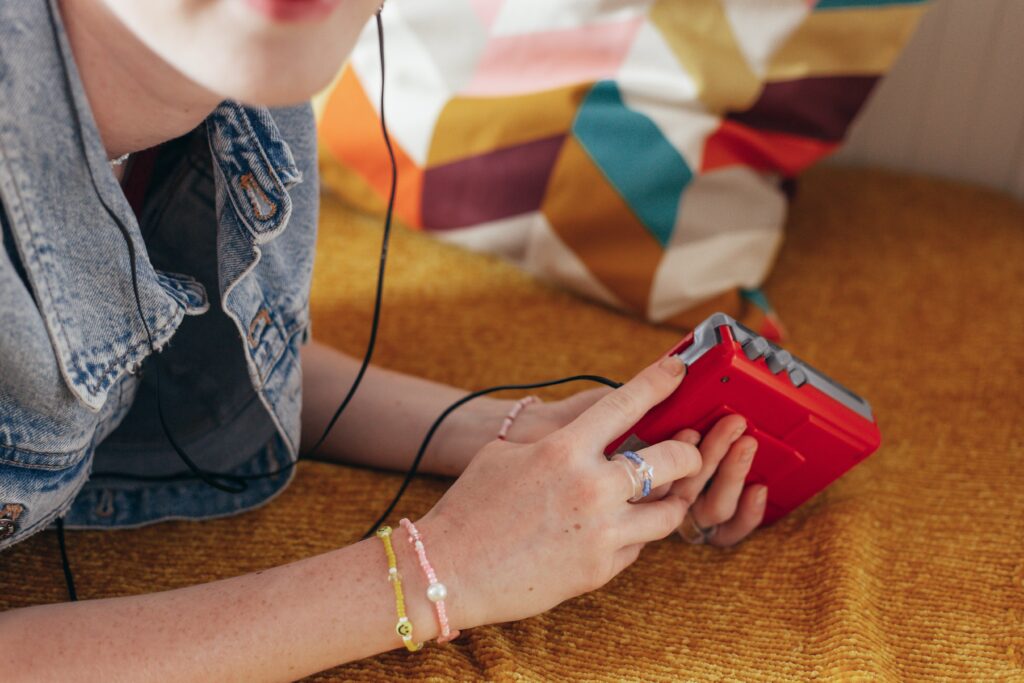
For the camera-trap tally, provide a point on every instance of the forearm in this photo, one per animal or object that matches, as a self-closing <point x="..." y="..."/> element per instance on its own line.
<point x="280" y="624"/>
<point x="385" y="423"/>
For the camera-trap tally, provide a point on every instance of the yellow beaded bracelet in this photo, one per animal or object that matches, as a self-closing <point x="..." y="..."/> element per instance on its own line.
<point x="404" y="627"/>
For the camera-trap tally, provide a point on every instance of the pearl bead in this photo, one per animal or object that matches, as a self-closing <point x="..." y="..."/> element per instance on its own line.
<point x="436" y="592"/>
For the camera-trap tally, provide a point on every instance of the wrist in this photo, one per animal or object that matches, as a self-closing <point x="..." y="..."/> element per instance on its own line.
<point x="418" y="607"/>
<point x="464" y="433"/>
<point x="513" y="423"/>
<point x="444" y="555"/>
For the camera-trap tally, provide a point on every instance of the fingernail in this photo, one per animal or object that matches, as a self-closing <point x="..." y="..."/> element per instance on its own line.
<point x="748" y="454"/>
<point x="692" y="438"/>
<point x="762" y="495"/>
<point x="672" y="365"/>
<point x="739" y="432"/>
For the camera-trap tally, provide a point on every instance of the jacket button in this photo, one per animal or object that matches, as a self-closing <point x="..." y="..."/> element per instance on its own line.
<point x="9" y="514"/>
<point x="256" y="327"/>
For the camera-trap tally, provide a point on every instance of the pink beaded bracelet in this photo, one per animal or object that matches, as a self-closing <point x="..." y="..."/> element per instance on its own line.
<point x="436" y="591"/>
<point x="513" y="414"/>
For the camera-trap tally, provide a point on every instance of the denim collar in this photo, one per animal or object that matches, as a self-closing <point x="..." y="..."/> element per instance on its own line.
<point x="55" y="180"/>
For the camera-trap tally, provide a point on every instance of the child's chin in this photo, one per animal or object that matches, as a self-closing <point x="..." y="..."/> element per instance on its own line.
<point x="278" y="91"/>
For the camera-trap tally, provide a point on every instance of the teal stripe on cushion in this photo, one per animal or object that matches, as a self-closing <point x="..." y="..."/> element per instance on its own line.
<point x="642" y="166"/>
<point x="841" y="4"/>
<point x="758" y="298"/>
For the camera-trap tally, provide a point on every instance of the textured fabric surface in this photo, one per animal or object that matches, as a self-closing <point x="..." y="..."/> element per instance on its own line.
<point x="911" y="567"/>
<point x="630" y="151"/>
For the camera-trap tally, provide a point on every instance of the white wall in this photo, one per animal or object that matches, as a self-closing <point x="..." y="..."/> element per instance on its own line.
<point x="954" y="103"/>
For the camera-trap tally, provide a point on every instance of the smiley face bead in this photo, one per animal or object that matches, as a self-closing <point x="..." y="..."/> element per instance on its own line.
<point x="404" y="630"/>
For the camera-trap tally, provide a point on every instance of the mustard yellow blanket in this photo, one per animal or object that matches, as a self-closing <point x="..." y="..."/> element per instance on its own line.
<point x="911" y="567"/>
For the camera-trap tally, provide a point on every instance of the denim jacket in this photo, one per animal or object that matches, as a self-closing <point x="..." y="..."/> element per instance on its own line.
<point x="76" y="369"/>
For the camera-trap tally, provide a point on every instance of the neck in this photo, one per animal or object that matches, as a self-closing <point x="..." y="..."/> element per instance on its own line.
<point x="137" y="99"/>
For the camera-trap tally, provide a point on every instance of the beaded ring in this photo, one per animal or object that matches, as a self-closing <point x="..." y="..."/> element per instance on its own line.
<point x="645" y="469"/>
<point x="634" y="479"/>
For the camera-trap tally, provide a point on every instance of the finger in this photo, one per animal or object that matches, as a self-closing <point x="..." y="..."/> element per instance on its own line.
<point x="748" y="516"/>
<point x="645" y="523"/>
<point x="713" y="448"/>
<point x="718" y="504"/>
<point x="670" y="460"/>
<point x="689" y="436"/>
<point x="577" y="403"/>
<point x="619" y="410"/>
<point x="626" y="556"/>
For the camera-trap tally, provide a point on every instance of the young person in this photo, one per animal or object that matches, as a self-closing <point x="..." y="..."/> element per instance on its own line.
<point x="200" y="244"/>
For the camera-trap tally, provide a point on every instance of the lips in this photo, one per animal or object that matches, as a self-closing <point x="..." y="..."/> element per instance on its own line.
<point x="294" y="10"/>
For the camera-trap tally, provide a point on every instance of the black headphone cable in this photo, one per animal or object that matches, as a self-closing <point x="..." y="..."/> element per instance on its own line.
<point x="237" y="483"/>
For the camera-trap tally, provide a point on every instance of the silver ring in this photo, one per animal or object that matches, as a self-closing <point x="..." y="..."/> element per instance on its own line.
<point x="694" y="533"/>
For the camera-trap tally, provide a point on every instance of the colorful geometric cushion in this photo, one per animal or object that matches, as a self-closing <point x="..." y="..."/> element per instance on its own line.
<point x="633" y="151"/>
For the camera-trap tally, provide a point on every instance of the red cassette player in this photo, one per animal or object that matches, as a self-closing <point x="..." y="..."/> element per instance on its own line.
<point x="810" y="430"/>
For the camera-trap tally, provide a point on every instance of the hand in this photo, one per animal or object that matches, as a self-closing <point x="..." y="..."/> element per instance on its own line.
<point x="476" y="424"/>
<point x="540" y="419"/>
<point x="528" y="526"/>
<point x="726" y="455"/>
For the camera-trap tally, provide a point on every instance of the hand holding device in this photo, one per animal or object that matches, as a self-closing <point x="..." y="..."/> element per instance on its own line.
<point x="809" y="428"/>
<point x="528" y="526"/>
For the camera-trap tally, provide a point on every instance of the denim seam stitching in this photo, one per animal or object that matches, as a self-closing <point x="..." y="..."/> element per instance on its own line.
<point x="120" y="361"/>
<point x="271" y="363"/>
